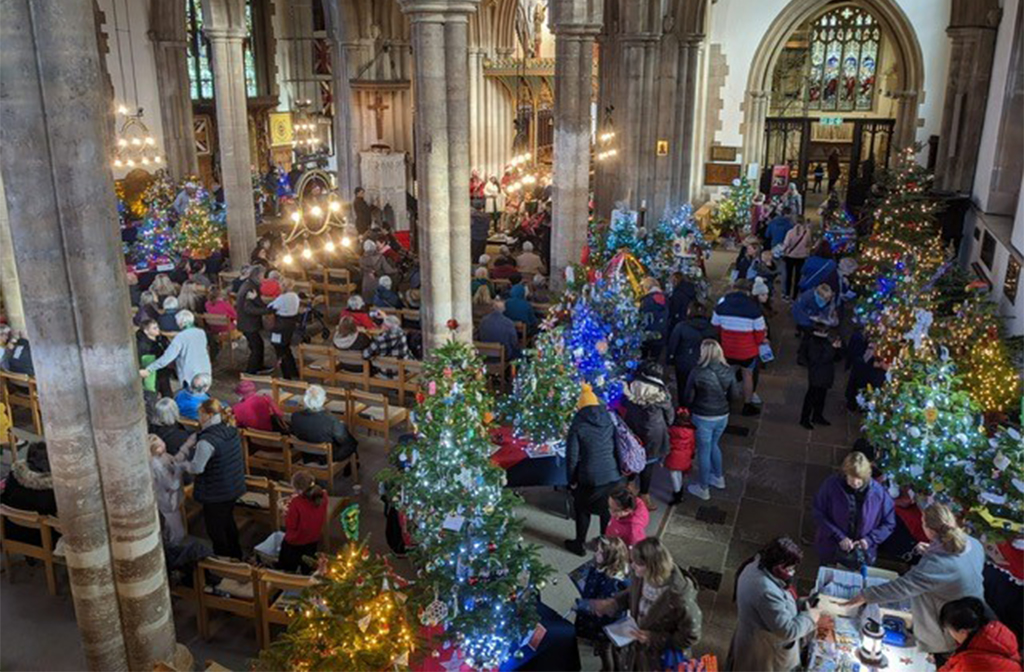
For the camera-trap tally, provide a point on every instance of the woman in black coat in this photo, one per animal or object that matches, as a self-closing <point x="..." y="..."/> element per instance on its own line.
<point x="684" y="343"/>
<point x="649" y="414"/>
<point x="29" y="487"/>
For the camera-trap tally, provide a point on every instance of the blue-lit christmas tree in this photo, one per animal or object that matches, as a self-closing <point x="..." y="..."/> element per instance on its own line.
<point x="154" y="242"/>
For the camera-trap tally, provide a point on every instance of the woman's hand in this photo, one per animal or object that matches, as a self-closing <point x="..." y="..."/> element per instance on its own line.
<point x="862" y="543"/>
<point x="846" y="545"/>
<point x="922" y="547"/>
<point x="855" y="602"/>
<point x="605" y="607"/>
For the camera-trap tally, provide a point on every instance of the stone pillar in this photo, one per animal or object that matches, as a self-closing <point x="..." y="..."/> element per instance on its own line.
<point x="345" y="145"/>
<point x="905" y="130"/>
<point x="224" y="26"/>
<point x="689" y="52"/>
<point x="972" y="32"/>
<point x="170" y="54"/>
<point x="52" y="117"/>
<point x="440" y="61"/>
<point x="9" y="287"/>
<point x="755" y="113"/>
<point x="575" y="24"/>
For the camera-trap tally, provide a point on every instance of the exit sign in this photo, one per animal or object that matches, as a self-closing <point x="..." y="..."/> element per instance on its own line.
<point x="830" y="121"/>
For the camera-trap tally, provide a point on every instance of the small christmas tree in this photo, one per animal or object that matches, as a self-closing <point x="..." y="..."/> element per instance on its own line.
<point x="731" y="217"/>
<point x="477" y="577"/>
<point x="199" y="234"/>
<point x="545" y="391"/>
<point x="622" y="234"/>
<point x="155" y="240"/>
<point x="354" y="618"/>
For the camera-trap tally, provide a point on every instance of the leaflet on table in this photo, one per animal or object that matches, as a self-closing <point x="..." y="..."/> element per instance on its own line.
<point x="535" y="450"/>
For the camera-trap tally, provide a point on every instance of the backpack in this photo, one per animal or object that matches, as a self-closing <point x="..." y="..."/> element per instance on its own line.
<point x="629" y="452"/>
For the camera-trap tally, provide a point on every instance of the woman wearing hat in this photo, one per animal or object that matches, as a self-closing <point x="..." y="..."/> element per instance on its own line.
<point x="649" y="413"/>
<point x="256" y="411"/>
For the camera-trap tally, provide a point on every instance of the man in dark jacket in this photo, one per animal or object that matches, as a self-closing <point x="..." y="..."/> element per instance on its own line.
<point x="479" y="229"/>
<point x="251" y="309"/>
<point x="683" y="293"/>
<point x="496" y="327"/>
<point x="820" y="353"/>
<point x="593" y="472"/>
<point x="363" y="211"/>
<point x="29" y="487"/>
<point x="684" y="343"/>
<point x="313" y="424"/>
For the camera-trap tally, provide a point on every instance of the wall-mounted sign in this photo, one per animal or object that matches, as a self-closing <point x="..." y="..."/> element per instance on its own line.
<point x="830" y="121"/>
<point x="722" y="153"/>
<point x="662" y="148"/>
<point x="721" y="174"/>
<point x="780" y="180"/>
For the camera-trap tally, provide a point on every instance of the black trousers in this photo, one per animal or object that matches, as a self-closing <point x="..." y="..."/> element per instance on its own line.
<point x="281" y="339"/>
<point x="793" y="269"/>
<point x="645" y="478"/>
<point x="477" y="247"/>
<point x="222" y="530"/>
<point x="290" y="559"/>
<point x="255" y="341"/>
<point x="814" y="404"/>
<point x="589" y="500"/>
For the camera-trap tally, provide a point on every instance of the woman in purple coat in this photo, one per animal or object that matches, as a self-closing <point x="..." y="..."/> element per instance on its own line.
<point x="855" y="514"/>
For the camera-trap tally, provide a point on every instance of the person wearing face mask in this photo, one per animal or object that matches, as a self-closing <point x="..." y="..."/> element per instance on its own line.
<point x="815" y="308"/>
<point x="855" y="514"/>
<point x="770" y="622"/>
<point x="983" y="643"/>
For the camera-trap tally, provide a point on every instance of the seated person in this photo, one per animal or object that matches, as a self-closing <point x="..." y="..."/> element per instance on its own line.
<point x="983" y="643"/>
<point x="304" y="523"/>
<point x="29" y="487"/>
<point x="270" y="287"/>
<point x="385" y="297"/>
<point x="167" y="319"/>
<point x="529" y="262"/>
<point x="356" y="309"/>
<point x="16" y="355"/>
<point x="504" y="257"/>
<point x="350" y="336"/>
<point x="390" y="342"/>
<point x="190" y="398"/>
<point x="518" y="309"/>
<point x="854" y="513"/>
<point x="314" y="424"/>
<point x="149" y="308"/>
<point x="539" y="292"/>
<point x="496" y="327"/>
<point x="504" y="265"/>
<point x="481" y="279"/>
<point x="165" y="424"/>
<point x="255" y="410"/>
<point x="216" y="304"/>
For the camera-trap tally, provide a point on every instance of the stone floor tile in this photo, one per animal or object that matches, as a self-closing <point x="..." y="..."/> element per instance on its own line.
<point x="689" y="552"/>
<point x="775" y="481"/>
<point x="814" y="476"/>
<point x="759" y="524"/>
<point x="739" y="552"/>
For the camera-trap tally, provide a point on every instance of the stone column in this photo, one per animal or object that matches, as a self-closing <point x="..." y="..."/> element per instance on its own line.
<point x="224" y="25"/>
<point x="575" y="24"/>
<point x="689" y="52"/>
<point x="905" y="130"/>
<point x="9" y="287"/>
<point x="440" y="61"/>
<point x="52" y="117"/>
<point x="170" y="54"/>
<point x="755" y="113"/>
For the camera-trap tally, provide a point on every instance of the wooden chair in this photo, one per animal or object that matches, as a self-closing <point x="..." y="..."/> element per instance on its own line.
<point x="339" y="403"/>
<point x="225" y="279"/>
<point x="262" y="383"/>
<point x="262" y="502"/>
<point x="46" y="525"/>
<point x="317" y="363"/>
<point x="323" y="472"/>
<point x="501" y="285"/>
<point x="19" y="390"/>
<point x="411" y="318"/>
<point x="267" y="451"/>
<point x="335" y="281"/>
<point x="279" y="591"/>
<point x="377" y="414"/>
<point x="521" y="330"/>
<point x="288" y="393"/>
<point x="412" y="376"/>
<point x="351" y="369"/>
<point x="387" y="376"/>
<point x="227" y="337"/>
<point x="495" y="363"/>
<point x="242" y="600"/>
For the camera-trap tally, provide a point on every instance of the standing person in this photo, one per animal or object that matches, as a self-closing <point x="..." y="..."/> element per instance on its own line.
<point x="770" y="623"/>
<point x="654" y="311"/>
<point x="757" y="214"/>
<point x="495" y="201"/>
<point x="775" y="235"/>
<point x="819" y="353"/>
<point x="219" y="468"/>
<point x="950" y="568"/>
<point x="834" y="170"/>
<point x="983" y="643"/>
<point x="479" y="230"/>
<point x="794" y="200"/>
<point x="251" y="309"/>
<point x="630" y="517"/>
<point x="304" y="523"/>
<point x="608" y="576"/>
<point x="663" y="600"/>
<point x="373" y="266"/>
<point x="286" y="316"/>
<point x="649" y="412"/>
<point x="707" y="395"/>
<point x="188" y="350"/>
<point x="855" y="514"/>
<point x="151" y="344"/>
<point x="168" y="489"/>
<point x="742" y="330"/>
<point x="362" y="211"/>
<point x="591" y="467"/>
<point x="496" y="327"/>
<point x="819" y="175"/>
<point x="682" y="442"/>
<point x="820" y="267"/>
<point x="684" y="292"/>
<point x="796" y="247"/>
<point x="815" y="309"/>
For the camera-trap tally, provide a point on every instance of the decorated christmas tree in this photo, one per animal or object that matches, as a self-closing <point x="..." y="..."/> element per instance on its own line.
<point x="154" y="243"/>
<point x="355" y="617"/>
<point x="988" y="376"/>
<point x="675" y="243"/>
<point x="991" y="488"/>
<point x="477" y="578"/>
<point x="545" y="390"/>
<point x="199" y="233"/>
<point x="731" y="217"/>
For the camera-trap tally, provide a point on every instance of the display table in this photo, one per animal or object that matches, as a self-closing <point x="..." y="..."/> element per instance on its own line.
<point x="525" y="465"/>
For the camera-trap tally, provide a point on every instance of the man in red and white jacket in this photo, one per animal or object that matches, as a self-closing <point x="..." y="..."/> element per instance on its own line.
<point x="741" y="329"/>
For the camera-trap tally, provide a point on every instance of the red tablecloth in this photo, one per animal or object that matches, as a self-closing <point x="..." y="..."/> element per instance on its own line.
<point x="513" y="449"/>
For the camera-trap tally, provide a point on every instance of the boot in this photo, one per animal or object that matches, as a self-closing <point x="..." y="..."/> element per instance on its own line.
<point x="646" y="499"/>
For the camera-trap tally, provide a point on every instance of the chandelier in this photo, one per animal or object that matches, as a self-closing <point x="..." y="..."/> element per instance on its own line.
<point x="306" y="127"/>
<point x="316" y="224"/>
<point x="135" y="146"/>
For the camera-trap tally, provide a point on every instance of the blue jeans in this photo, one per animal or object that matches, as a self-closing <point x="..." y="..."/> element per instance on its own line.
<point x="709" y="454"/>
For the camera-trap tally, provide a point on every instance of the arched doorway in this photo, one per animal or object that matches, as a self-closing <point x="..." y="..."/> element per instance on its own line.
<point x="833" y="81"/>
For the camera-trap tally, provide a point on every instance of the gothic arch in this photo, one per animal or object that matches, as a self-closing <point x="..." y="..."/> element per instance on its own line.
<point x="907" y="89"/>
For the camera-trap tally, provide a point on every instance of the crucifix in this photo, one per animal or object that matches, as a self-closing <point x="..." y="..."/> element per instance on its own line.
<point x="378" y="108"/>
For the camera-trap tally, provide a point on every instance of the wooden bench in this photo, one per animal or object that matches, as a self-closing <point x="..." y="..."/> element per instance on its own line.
<point x="377" y="414"/>
<point x="242" y="598"/>
<point x="335" y="281"/>
<point x="19" y="391"/>
<point x="227" y="337"/>
<point x="263" y="502"/>
<point x="267" y="451"/>
<point x="351" y="369"/>
<point x="46" y="525"/>
<point x="330" y="469"/>
<point x="495" y="363"/>
<point x="317" y="363"/>
<point x="288" y="393"/>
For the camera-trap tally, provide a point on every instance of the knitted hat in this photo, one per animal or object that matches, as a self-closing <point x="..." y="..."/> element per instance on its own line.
<point x="587" y="397"/>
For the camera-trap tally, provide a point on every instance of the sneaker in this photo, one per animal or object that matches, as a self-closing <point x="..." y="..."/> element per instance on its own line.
<point x="698" y="492"/>
<point x="806" y="424"/>
<point x="756" y="399"/>
<point x="575" y="547"/>
<point x="750" y="410"/>
<point x="718" y="482"/>
<point x="822" y="421"/>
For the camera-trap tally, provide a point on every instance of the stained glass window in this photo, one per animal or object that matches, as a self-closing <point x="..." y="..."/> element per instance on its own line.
<point x="249" y="55"/>
<point x="199" y="73"/>
<point x="843" y="60"/>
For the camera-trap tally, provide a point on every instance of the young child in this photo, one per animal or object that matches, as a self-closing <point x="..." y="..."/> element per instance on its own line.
<point x="629" y="517"/>
<point x="679" y="460"/>
<point x="304" y="524"/>
<point x="607" y="575"/>
<point x="820" y="353"/>
<point x="168" y="488"/>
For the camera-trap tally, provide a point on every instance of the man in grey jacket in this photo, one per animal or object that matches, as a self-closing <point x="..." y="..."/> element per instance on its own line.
<point x="188" y="350"/>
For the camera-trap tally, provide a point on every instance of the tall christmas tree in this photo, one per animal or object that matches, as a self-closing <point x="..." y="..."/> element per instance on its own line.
<point x="478" y="578"/>
<point x="991" y="488"/>
<point x="199" y="233"/>
<point x="731" y="217"/>
<point x="545" y="390"/>
<point x="155" y="238"/>
<point x="355" y="617"/>
<point x="989" y="377"/>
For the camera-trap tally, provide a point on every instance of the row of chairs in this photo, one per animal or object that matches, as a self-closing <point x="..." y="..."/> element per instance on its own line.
<point x="281" y="454"/>
<point x="18" y="390"/>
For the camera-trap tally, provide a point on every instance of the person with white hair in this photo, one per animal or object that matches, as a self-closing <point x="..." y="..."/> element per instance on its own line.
<point x="529" y="262"/>
<point x="385" y="296"/>
<point x="166" y="424"/>
<point x="390" y="342"/>
<point x="539" y="292"/>
<point x="166" y="319"/>
<point x="357" y="310"/>
<point x="315" y="424"/>
<point x="188" y="350"/>
<point x="374" y="266"/>
<point x="484" y="260"/>
<point x="191" y="397"/>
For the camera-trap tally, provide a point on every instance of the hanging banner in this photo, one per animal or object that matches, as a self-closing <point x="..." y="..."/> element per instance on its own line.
<point x="780" y="180"/>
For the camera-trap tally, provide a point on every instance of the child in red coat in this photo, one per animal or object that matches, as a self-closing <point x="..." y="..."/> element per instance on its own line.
<point x="629" y="517"/>
<point x="680" y="456"/>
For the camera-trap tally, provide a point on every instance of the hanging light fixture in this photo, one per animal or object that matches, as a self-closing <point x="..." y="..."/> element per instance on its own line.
<point x="316" y="223"/>
<point x="604" y="148"/>
<point x="134" y="145"/>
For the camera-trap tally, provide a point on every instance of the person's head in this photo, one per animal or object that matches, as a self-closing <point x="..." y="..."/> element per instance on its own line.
<point x="941" y="525"/>
<point x="5" y="335"/>
<point x="527" y="246"/>
<point x="273" y="275"/>
<point x="962" y="618"/>
<point x="696" y="309"/>
<point x="651" y="561"/>
<point x="37" y="459"/>
<point x="621" y="502"/>
<point x="610" y="555"/>
<point x="504" y="251"/>
<point x="385" y="282"/>
<point x="245" y="389"/>
<point x="157" y="447"/>
<point x="742" y="285"/>
<point x="314" y="398"/>
<point x="148" y="298"/>
<point x="201" y="383"/>
<point x="823" y="250"/>
<point x="256" y="273"/>
<point x="162" y="284"/>
<point x="498" y="305"/>
<point x="214" y="294"/>
<point x="150" y="328"/>
<point x="360" y="192"/>
<point x="857" y="470"/>
<point x="823" y="294"/>
<point x="781" y="557"/>
<point x="493" y="179"/>
<point x="347" y="326"/>
<point x="480" y="273"/>
<point x="710" y="353"/>
<point x="484" y="259"/>
<point x="787" y="211"/>
<point x="355" y="302"/>
<point x="306" y="486"/>
<point x="766" y="256"/>
<point x="184" y="319"/>
<point x="392" y="323"/>
<point x="212" y="411"/>
<point x="165" y="412"/>
<point x="539" y="281"/>
<point x="477" y="204"/>
<point x="649" y="285"/>
<point x="170" y="303"/>
<point x="752" y="246"/>
<point x="792" y="187"/>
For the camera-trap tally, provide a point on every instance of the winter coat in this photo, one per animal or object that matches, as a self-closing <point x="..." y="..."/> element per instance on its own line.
<point x="654" y="311"/>
<point x="530" y="264"/>
<point x="832" y="508"/>
<point x="938" y="578"/>
<point x="769" y="625"/>
<point x="373" y="266"/>
<point x="361" y="317"/>
<point x="673" y="620"/>
<point x="28" y="490"/>
<point x="818" y="270"/>
<point x="684" y="343"/>
<point x="807" y="313"/>
<point x="708" y="390"/>
<point x="323" y="427"/>
<point x="649" y="419"/>
<point x="590" y="448"/>
<point x="147" y="346"/>
<point x="250" y="311"/>
<point x="777" y="230"/>
<point x="631" y="528"/>
<point x="991" y="649"/>
<point x="173" y="436"/>
<point x="820" y="357"/>
<point x="223" y="478"/>
<point x="169" y="492"/>
<point x="679" y="302"/>
<point x="518" y="309"/>
<point x="741" y="325"/>
<point x="386" y="298"/>
<point x="797" y="243"/>
<point x="495" y="327"/>
<point x="682" y="444"/>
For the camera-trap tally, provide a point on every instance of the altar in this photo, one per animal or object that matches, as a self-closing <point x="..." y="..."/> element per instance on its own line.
<point x="384" y="180"/>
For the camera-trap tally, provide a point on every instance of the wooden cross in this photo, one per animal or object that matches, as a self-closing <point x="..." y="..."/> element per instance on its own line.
<point x="378" y="108"/>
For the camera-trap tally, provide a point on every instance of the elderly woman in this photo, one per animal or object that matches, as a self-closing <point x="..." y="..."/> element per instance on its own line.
<point x="356" y="310"/>
<point x="350" y="336"/>
<point x="286" y="312"/>
<point x="188" y="350"/>
<point x="189" y="398"/>
<point x="662" y="600"/>
<point x="148" y="308"/>
<point x="166" y="425"/>
<point x="315" y="424"/>
<point x="167" y="320"/>
<point x="529" y="262"/>
<point x="29" y="487"/>
<point x="770" y="623"/>
<point x="390" y="342"/>
<point x="255" y="410"/>
<point x="855" y="514"/>
<point x="385" y="296"/>
<point x="168" y="488"/>
<point x="950" y="568"/>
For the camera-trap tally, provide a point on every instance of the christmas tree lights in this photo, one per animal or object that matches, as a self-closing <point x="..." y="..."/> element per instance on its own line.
<point x="545" y="390"/>
<point x="199" y="233"/>
<point x="991" y="488"/>
<point x="731" y="217"/>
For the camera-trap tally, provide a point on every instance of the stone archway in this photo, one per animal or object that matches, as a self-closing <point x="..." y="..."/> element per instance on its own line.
<point x="906" y="90"/>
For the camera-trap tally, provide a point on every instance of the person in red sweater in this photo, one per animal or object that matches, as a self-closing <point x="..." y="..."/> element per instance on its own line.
<point x="742" y="329"/>
<point x="985" y="644"/>
<point x="629" y="517"/>
<point x="307" y="511"/>
<point x="682" y="445"/>
<point x="256" y="411"/>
